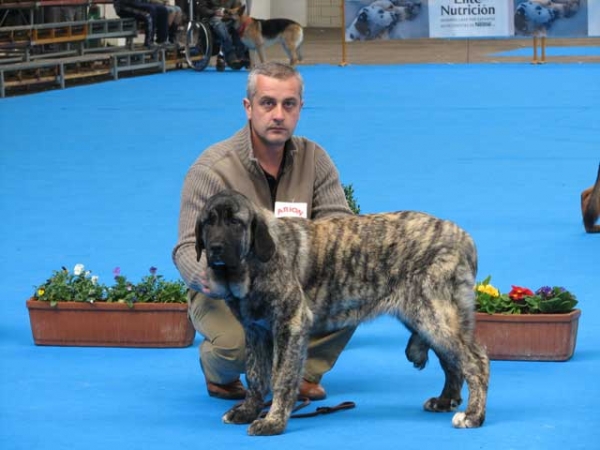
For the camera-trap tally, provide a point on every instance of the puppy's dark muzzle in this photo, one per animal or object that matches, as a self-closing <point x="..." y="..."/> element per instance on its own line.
<point x="215" y="255"/>
<point x="221" y="257"/>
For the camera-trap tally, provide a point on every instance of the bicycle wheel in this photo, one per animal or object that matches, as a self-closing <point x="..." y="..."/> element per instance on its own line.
<point x="198" y="45"/>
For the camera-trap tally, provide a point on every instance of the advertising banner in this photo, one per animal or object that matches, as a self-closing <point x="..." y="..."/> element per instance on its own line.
<point x="408" y="19"/>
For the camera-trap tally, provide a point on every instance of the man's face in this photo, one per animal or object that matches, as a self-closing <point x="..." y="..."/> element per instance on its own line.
<point x="275" y="109"/>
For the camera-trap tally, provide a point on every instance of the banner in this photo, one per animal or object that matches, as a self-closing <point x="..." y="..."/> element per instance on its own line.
<point x="470" y="18"/>
<point x="405" y="19"/>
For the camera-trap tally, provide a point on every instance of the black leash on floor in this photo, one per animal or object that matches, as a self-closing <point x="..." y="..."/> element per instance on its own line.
<point x="304" y="402"/>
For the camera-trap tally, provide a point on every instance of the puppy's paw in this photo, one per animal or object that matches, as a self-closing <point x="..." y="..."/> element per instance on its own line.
<point x="463" y="420"/>
<point x="441" y="404"/>
<point x="242" y="413"/>
<point x="266" y="427"/>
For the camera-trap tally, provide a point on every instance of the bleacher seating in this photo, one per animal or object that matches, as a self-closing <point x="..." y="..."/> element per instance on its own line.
<point x="31" y="53"/>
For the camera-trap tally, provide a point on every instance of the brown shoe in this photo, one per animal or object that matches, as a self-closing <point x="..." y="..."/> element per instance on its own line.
<point x="312" y="391"/>
<point x="230" y="391"/>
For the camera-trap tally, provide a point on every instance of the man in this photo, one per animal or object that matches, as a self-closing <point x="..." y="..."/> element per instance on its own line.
<point x="231" y="45"/>
<point x="266" y="162"/>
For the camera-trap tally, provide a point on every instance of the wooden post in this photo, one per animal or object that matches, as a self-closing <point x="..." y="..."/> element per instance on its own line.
<point x="543" y="45"/>
<point x="343" y="18"/>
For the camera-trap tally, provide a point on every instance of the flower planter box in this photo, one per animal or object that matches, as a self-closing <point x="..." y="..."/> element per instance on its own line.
<point x="110" y="324"/>
<point x="528" y="337"/>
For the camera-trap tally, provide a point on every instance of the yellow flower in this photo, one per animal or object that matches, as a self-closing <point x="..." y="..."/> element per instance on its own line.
<point x="40" y="292"/>
<point x="488" y="289"/>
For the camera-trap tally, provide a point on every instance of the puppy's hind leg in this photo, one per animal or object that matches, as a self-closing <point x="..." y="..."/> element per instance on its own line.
<point x="450" y="397"/>
<point x="461" y="358"/>
<point x="476" y="370"/>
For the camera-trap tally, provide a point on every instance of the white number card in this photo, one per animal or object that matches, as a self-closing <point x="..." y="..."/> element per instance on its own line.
<point x="290" y="209"/>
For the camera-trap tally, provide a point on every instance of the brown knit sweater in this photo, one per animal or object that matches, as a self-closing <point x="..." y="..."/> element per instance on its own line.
<point x="308" y="176"/>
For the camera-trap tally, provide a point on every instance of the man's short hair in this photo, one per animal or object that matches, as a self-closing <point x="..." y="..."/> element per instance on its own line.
<point x="272" y="69"/>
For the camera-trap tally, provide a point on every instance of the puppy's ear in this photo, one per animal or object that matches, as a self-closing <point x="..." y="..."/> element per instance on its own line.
<point x="199" y="242"/>
<point x="241" y="10"/>
<point x="263" y="245"/>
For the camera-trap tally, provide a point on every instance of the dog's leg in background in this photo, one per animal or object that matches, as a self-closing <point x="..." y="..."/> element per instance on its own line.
<point x="260" y="51"/>
<point x="590" y="206"/>
<point x="291" y="41"/>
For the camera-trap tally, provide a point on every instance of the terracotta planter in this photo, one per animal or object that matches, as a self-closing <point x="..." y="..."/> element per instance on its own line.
<point x="529" y="337"/>
<point x="110" y="324"/>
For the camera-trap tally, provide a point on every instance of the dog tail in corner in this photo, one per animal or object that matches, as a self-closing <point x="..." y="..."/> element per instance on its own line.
<point x="591" y="206"/>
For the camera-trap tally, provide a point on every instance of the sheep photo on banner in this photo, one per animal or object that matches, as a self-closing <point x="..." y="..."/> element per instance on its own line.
<point x="411" y="19"/>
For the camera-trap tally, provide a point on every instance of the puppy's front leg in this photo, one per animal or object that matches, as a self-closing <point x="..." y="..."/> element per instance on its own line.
<point x="290" y="337"/>
<point x="259" y="357"/>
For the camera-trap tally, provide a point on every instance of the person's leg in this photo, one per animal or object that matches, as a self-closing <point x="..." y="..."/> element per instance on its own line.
<point x="226" y="42"/>
<point x="241" y="51"/>
<point x="174" y="22"/>
<point x="222" y="352"/>
<point x="141" y="14"/>
<point x="323" y="352"/>
<point x="161" y="15"/>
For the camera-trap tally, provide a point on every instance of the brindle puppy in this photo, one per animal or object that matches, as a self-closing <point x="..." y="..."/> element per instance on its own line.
<point x="284" y="278"/>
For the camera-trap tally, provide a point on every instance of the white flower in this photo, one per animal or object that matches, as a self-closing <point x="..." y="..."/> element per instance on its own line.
<point x="95" y="279"/>
<point x="78" y="269"/>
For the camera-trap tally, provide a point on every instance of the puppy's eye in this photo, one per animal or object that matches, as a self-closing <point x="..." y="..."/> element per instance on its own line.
<point x="235" y="221"/>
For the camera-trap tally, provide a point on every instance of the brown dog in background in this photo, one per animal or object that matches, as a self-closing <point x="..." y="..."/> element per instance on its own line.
<point x="590" y="206"/>
<point x="258" y="34"/>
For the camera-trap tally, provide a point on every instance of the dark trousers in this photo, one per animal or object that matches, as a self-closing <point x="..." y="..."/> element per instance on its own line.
<point x="155" y="18"/>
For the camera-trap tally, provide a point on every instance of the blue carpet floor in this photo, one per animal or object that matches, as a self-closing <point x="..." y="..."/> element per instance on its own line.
<point x="93" y="174"/>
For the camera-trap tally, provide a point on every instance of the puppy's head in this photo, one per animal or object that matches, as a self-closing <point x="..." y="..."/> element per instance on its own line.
<point x="230" y="229"/>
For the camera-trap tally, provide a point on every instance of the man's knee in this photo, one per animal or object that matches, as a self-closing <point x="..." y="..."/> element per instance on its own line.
<point x="222" y="361"/>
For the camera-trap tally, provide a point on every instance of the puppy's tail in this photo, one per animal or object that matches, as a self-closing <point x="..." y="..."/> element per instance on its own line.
<point x="590" y="206"/>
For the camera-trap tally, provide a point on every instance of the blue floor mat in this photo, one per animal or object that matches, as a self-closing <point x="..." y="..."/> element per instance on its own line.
<point x="93" y="174"/>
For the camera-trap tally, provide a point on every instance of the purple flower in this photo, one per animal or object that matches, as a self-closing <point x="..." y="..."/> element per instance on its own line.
<point x="153" y="270"/>
<point x="117" y="271"/>
<point x="545" y="292"/>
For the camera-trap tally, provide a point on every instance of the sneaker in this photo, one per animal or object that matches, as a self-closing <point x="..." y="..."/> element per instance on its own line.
<point x="230" y="391"/>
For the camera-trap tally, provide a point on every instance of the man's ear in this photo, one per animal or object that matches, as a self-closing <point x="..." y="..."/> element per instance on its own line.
<point x="199" y="242"/>
<point x="263" y="245"/>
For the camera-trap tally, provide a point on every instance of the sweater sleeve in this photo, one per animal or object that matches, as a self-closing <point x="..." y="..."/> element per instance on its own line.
<point x="329" y="198"/>
<point x="199" y="185"/>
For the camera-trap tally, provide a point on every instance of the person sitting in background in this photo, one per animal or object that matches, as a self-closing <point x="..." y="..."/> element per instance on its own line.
<point x="154" y="17"/>
<point x="174" y="18"/>
<point x="234" y="51"/>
